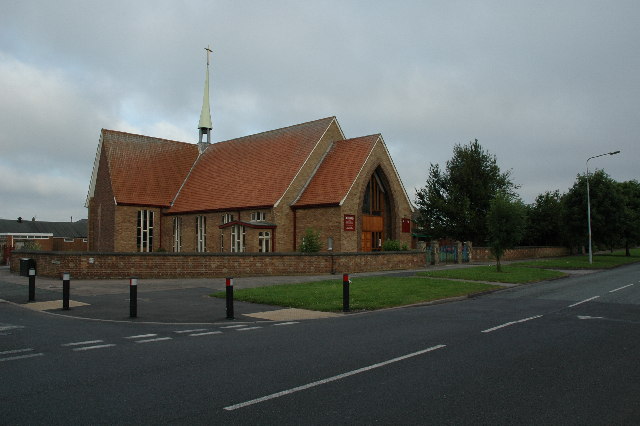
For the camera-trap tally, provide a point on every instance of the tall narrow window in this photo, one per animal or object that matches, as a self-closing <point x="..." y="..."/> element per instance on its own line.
<point x="177" y="234"/>
<point x="201" y="234"/>
<point x="237" y="238"/>
<point x="264" y="242"/>
<point x="145" y="230"/>
<point x="226" y="218"/>
<point x="221" y="242"/>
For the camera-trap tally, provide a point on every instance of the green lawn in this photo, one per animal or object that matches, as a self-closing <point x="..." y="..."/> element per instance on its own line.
<point x="366" y="293"/>
<point x="600" y="261"/>
<point x="509" y="274"/>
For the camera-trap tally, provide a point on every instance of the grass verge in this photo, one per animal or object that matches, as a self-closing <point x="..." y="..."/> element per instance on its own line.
<point x="509" y="274"/>
<point x="600" y="261"/>
<point x="366" y="293"/>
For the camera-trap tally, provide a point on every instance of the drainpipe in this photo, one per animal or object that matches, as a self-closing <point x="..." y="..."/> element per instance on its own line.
<point x="294" y="230"/>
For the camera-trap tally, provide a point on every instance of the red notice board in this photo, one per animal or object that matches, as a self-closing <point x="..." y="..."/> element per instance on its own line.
<point x="406" y="225"/>
<point x="349" y="222"/>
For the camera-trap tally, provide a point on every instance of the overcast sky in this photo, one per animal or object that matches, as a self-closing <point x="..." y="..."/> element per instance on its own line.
<point x="543" y="85"/>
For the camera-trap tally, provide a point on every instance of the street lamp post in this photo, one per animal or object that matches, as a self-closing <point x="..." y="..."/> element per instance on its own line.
<point x="589" y="201"/>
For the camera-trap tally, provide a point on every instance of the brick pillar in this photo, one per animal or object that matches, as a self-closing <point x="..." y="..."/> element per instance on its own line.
<point x="435" y="252"/>
<point x="469" y="245"/>
<point x="458" y="252"/>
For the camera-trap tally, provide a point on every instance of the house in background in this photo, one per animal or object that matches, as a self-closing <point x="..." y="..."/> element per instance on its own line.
<point x="50" y="236"/>
<point x="257" y="193"/>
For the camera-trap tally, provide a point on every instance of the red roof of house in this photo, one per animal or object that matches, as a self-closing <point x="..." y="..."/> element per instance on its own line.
<point x="146" y="170"/>
<point x="252" y="171"/>
<point x="338" y="171"/>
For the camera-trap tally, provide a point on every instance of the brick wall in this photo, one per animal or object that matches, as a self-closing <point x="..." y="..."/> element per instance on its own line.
<point x="483" y="254"/>
<point x="213" y="265"/>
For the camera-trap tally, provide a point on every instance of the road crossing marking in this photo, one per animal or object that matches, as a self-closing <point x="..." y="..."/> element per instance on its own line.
<point x="286" y="323"/>
<point x="331" y="379"/>
<point x="17" y="357"/>
<point x="190" y="331"/>
<point x="248" y="328"/>
<point x="140" y="336"/>
<point x="86" y="348"/>
<point x="489" y="330"/>
<point x="206" y="333"/>
<point x="87" y="342"/>
<point x="157" y="339"/>
<point x="235" y="326"/>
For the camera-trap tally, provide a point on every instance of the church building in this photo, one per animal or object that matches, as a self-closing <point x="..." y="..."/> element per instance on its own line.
<point x="257" y="193"/>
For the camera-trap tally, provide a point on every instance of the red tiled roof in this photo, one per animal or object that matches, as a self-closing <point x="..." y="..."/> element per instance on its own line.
<point x="146" y="170"/>
<point x="338" y="171"/>
<point x="252" y="171"/>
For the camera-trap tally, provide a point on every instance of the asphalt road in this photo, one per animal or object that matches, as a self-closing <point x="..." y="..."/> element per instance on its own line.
<point x="559" y="352"/>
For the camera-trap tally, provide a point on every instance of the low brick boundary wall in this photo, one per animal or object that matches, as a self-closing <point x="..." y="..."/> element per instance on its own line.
<point x="215" y="265"/>
<point x="483" y="254"/>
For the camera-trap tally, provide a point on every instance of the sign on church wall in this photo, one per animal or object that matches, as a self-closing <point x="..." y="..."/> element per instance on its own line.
<point x="349" y="222"/>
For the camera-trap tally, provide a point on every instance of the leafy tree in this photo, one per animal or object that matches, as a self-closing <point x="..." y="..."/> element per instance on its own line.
<point x="607" y="204"/>
<point x="630" y="222"/>
<point x="544" y="221"/>
<point x="311" y="241"/>
<point x="505" y="224"/>
<point x="454" y="202"/>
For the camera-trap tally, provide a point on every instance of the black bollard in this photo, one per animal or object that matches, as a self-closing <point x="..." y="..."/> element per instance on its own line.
<point x="345" y="292"/>
<point x="32" y="285"/>
<point x="65" y="290"/>
<point x="229" y="286"/>
<point x="133" y="297"/>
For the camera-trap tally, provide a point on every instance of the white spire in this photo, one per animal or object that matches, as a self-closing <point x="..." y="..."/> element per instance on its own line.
<point x="205" y="114"/>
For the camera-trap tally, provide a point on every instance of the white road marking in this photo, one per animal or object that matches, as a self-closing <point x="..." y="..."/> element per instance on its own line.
<point x="14" y="358"/>
<point x="248" y="328"/>
<point x="158" y="339"/>
<point x="234" y="326"/>
<point x="286" y="323"/>
<point x="190" y="331"/>
<point x="330" y="379"/>
<point x="87" y="342"/>
<point x="140" y="336"/>
<point x="5" y="327"/>
<point x="206" y="333"/>
<point x="614" y="290"/>
<point x="583" y="301"/>
<point x="489" y="330"/>
<point x="16" y="351"/>
<point x="586" y="317"/>
<point x="86" y="348"/>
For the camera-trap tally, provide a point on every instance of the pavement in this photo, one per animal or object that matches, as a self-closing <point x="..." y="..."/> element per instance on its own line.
<point x="185" y="301"/>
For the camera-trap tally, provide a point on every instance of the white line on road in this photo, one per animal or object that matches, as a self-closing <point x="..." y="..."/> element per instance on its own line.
<point x="489" y="330"/>
<point x="286" y="323"/>
<point x="86" y="342"/>
<point x="583" y="301"/>
<point x="190" y="331"/>
<point x="86" y="348"/>
<point x="587" y="317"/>
<point x="16" y="351"/>
<point x="248" y="328"/>
<point x="158" y="339"/>
<point x="625" y="286"/>
<point x="234" y="326"/>
<point x="206" y="333"/>
<point x="14" y="358"/>
<point x="330" y="379"/>
<point x="140" y="336"/>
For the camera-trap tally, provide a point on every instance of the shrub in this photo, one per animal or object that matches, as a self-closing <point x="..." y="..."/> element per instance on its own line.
<point x="311" y="241"/>
<point x="391" y="245"/>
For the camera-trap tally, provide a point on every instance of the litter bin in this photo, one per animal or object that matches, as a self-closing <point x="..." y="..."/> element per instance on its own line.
<point x="25" y="265"/>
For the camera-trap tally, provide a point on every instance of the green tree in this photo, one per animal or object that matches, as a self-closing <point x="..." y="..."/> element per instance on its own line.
<point x="311" y="241"/>
<point x="505" y="224"/>
<point x="454" y="202"/>
<point x="544" y="221"/>
<point x="630" y="222"/>
<point x="607" y="210"/>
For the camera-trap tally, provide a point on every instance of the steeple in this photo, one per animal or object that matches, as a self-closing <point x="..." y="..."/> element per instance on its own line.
<point x="205" y="115"/>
